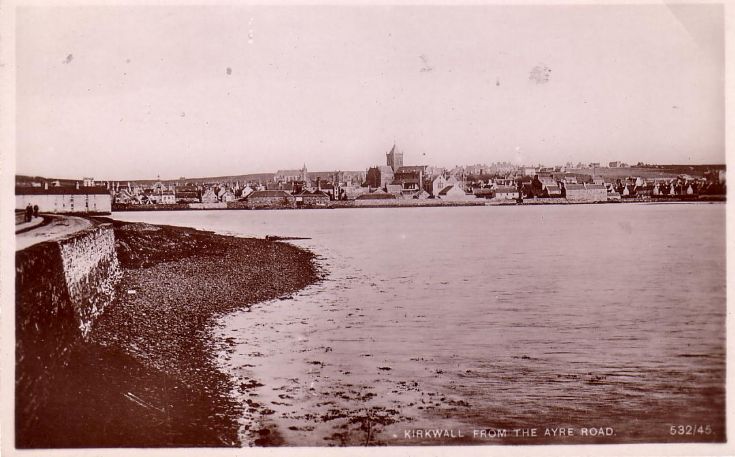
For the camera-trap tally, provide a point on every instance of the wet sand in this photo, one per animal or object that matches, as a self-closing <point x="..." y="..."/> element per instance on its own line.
<point x="148" y="377"/>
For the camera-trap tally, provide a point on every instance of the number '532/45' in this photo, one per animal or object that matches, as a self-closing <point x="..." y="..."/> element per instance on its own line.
<point x="690" y="430"/>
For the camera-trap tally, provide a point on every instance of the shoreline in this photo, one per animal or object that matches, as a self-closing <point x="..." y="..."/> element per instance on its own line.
<point x="148" y="377"/>
<point x="150" y="382"/>
<point x="236" y="206"/>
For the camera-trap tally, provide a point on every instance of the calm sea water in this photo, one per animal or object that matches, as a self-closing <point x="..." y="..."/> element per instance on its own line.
<point x="479" y="322"/>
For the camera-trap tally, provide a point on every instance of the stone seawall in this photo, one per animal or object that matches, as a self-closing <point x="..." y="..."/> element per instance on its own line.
<point x="61" y="288"/>
<point x="91" y="270"/>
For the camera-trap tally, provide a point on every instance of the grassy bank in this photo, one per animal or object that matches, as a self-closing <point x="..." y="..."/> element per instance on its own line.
<point x="148" y="375"/>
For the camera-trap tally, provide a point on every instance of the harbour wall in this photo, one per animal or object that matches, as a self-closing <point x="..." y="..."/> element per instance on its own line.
<point x="61" y="287"/>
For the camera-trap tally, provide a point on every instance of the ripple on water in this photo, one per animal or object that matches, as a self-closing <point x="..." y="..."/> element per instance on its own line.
<point x="522" y="321"/>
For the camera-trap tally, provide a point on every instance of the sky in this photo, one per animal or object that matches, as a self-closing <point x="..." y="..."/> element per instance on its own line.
<point x="123" y="92"/>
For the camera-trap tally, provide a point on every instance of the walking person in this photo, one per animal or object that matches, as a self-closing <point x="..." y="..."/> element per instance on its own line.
<point x="29" y="213"/>
<point x="35" y="211"/>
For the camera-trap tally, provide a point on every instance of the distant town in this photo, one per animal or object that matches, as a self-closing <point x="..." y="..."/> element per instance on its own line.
<point x="390" y="184"/>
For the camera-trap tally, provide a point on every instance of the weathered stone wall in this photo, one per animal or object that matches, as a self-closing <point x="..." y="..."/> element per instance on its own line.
<point x="587" y="195"/>
<point x="271" y="202"/>
<point x="91" y="270"/>
<point x="238" y="204"/>
<point x="61" y="287"/>
<point x="309" y="200"/>
<point x="208" y="205"/>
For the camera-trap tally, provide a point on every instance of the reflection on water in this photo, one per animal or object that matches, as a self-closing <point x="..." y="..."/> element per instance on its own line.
<point x="475" y="319"/>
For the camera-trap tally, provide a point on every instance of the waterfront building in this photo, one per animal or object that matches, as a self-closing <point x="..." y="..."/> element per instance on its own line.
<point x="586" y="193"/>
<point x="410" y="177"/>
<point x="167" y="197"/>
<point x="247" y="190"/>
<point x="454" y="193"/>
<point x="506" y="193"/>
<point x="271" y="199"/>
<point x="440" y="182"/>
<point x="210" y="196"/>
<point x="379" y="177"/>
<point x="312" y="199"/>
<point x="226" y="195"/>
<point x="187" y="194"/>
<point x="64" y="199"/>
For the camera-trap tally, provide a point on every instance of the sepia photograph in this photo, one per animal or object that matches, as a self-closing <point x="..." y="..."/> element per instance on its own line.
<point x="426" y="227"/>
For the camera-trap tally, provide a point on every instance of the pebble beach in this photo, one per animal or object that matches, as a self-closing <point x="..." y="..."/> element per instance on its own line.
<point x="148" y="376"/>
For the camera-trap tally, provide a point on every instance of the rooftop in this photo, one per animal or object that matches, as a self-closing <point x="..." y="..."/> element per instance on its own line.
<point x="61" y="191"/>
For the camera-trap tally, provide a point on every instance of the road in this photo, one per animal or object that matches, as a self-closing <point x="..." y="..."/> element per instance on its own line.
<point x="59" y="227"/>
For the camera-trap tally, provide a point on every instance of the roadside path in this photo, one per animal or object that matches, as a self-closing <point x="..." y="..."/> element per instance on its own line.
<point x="59" y="227"/>
<point x="25" y="226"/>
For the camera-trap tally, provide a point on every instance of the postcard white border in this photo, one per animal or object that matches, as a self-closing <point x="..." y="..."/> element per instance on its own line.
<point x="7" y="257"/>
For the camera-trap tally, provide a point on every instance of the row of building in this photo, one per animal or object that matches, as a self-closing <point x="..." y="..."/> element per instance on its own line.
<point x="392" y="181"/>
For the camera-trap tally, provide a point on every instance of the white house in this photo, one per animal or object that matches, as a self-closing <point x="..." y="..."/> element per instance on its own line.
<point x="226" y="195"/>
<point x="167" y="197"/>
<point x="247" y="191"/>
<point x="454" y="193"/>
<point x="506" y="193"/>
<point x="209" y="196"/>
<point x="65" y="199"/>
<point x="440" y="182"/>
